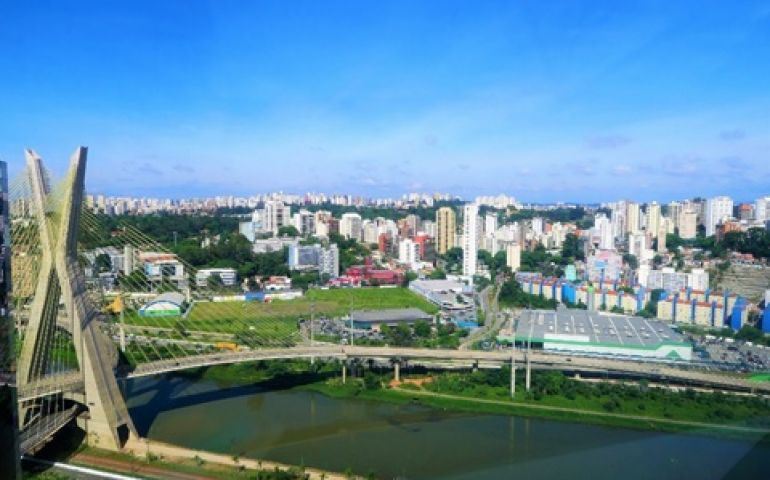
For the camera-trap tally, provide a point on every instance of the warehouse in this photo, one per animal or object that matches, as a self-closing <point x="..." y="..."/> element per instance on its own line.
<point x="375" y="319"/>
<point x="591" y="332"/>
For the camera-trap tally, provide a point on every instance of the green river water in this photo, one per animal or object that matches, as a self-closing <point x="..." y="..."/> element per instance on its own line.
<point x="413" y="441"/>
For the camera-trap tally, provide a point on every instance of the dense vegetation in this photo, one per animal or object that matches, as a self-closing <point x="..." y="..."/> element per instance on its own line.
<point x="554" y="388"/>
<point x="512" y="295"/>
<point x="564" y="215"/>
<point x="755" y="241"/>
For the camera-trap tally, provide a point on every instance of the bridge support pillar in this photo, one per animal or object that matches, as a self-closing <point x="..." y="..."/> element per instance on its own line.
<point x="344" y="371"/>
<point x="475" y="367"/>
<point x="513" y="377"/>
<point x="122" y="339"/>
<point x="528" y="377"/>
<point x="397" y="371"/>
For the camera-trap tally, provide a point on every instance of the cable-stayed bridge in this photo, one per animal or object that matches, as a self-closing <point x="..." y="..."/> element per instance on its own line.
<point x="80" y="331"/>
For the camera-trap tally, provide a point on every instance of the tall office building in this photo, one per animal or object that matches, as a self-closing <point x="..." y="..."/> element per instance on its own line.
<point x="717" y="210"/>
<point x="470" y="238"/>
<point x="632" y="217"/>
<point x="9" y="446"/>
<point x="446" y="229"/>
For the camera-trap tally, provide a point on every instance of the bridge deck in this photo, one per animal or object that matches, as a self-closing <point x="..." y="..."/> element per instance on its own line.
<point x="537" y="359"/>
<point x="37" y="433"/>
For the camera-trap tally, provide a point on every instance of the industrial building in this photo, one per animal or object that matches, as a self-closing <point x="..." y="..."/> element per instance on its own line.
<point x="375" y="319"/>
<point x="444" y="293"/>
<point x="587" y="332"/>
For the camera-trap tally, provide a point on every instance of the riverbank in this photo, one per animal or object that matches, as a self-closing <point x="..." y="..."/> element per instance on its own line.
<point x="411" y="393"/>
<point x="553" y="395"/>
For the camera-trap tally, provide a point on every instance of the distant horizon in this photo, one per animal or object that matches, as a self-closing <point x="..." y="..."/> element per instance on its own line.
<point x="737" y="201"/>
<point x="584" y="102"/>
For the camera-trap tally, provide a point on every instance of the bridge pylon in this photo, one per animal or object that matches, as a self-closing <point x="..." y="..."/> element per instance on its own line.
<point x="60" y="295"/>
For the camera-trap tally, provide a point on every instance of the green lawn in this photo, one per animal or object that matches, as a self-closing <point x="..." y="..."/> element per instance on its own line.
<point x="369" y="299"/>
<point x="279" y="318"/>
<point x="760" y="377"/>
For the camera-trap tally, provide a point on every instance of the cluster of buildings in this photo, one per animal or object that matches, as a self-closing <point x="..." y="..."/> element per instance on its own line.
<point x="707" y="308"/>
<point x="127" y="205"/>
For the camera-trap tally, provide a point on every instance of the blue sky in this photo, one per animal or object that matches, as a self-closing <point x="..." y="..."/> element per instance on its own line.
<point x="547" y="101"/>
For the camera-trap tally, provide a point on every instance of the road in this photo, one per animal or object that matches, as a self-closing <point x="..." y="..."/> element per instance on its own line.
<point x="539" y="359"/>
<point x="493" y="321"/>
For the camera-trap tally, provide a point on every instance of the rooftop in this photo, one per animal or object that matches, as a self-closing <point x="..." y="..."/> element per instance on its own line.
<point x="594" y="328"/>
<point x="390" y="315"/>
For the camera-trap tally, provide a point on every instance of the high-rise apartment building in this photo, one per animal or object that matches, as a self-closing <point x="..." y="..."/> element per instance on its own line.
<point x="513" y="256"/>
<point x="490" y="224"/>
<point x="304" y="222"/>
<point x="618" y="219"/>
<point x="632" y="217"/>
<point x="276" y="216"/>
<point x="674" y="211"/>
<point x="446" y="229"/>
<point x="409" y="253"/>
<point x="718" y="209"/>
<point x="351" y="226"/>
<point x="653" y="218"/>
<point x="470" y="238"/>
<point x="603" y="229"/>
<point x="688" y="223"/>
<point x="762" y="209"/>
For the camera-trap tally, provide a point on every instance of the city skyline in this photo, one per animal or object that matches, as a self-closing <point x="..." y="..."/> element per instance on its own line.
<point x="547" y="104"/>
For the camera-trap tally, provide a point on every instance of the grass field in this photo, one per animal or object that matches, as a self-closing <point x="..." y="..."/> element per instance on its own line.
<point x="279" y="318"/>
<point x="760" y="377"/>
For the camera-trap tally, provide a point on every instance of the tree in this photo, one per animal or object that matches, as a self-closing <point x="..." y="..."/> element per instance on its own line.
<point x="400" y="335"/>
<point x="437" y="274"/>
<point x="572" y="248"/>
<point x="631" y="260"/>
<point x="422" y="329"/>
<point x="215" y="282"/>
<point x="288" y="231"/>
<point x="103" y="263"/>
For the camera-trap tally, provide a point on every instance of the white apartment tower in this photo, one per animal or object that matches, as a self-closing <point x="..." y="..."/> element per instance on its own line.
<point x="351" y="225"/>
<point x="653" y="219"/>
<point x="762" y="209"/>
<point x="276" y="216"/>
<point x="717" y="210"/>
<point x="632" y="217"/>
<point x="603" y="228"/>
<point x="513" y="256"/>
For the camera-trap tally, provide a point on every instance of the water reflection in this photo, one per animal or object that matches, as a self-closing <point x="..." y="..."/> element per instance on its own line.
<point x="413" y="441"/>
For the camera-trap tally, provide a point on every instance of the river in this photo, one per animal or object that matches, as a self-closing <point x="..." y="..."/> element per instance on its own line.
<point x="413" y="441"/>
